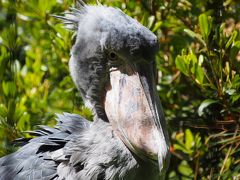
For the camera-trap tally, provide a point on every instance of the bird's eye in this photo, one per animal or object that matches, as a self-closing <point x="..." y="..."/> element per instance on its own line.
<point x="112" y="56"/>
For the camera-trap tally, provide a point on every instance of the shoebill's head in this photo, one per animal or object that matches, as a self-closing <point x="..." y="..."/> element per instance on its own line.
<point x="112" y="64"/>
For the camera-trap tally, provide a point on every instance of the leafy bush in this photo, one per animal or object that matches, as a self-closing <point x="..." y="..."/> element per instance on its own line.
<point x="199" y="78"/>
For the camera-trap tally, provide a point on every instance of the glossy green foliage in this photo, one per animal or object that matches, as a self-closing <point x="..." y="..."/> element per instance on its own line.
<point x="199" y="76"/>
<point x="34" y="78"/>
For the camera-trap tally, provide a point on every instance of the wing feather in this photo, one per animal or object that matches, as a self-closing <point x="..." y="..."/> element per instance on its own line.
<point x="41" y="156"/>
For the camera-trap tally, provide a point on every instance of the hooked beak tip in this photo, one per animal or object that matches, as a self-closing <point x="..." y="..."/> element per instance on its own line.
<point x="163" y="160"/>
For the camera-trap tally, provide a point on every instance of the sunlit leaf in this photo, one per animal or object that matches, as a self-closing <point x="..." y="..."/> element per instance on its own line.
<point x="205" y="104"/>
<point x="205" y="24"/>
<point x="231" y="39"/>
<point x="157" y="26"/>
<point x="151" y="20"/>
<point x="3" y="110"/>
<point x="23" y="123"/>
<point x="195" y="36"/>
<point x="199" y="74"/>
<point x="181" y="65"/>
<point x="234" y="50"/>
<point x="231" y="91"/>
<point x="189" y="139"/>
<point x="9" y="88"/>
<point x="235" y="98"/>
<point x="185" y="169"/>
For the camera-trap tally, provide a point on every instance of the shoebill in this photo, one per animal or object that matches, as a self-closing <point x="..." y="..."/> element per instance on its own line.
<point x="112" y="64"/>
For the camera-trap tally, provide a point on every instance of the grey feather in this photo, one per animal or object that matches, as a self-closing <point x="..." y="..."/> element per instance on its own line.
<point x="34" y="159"/>
<point x="72" y="18"/>
<point x="87" y="151"/>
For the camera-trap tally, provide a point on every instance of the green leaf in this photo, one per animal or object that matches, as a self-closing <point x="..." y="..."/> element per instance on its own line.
<point x="205" y="24"/>
<point x="185" y="169"/>
<point x="181" y="65"/>
<point x="195" y="36"/>
<point x="144" y="20"/>
<point x="189" y="139"/>
<point x="231" y="39"/>
<point x="23" y="122"/>
<point x="235" y="98"/>
<point x="228" y="163"/>
<point x="182" y="147"/>
<point x="197" y="141"/>
<point x="5" y="88"/>
<point x="204" y="104"/>
<point x="3" y="61"/>
<point x="231" y="91"/>
<point x="157" y="26"/>
<point x="199" y="75"/>
<point x="234" y="50"/>
<point x="192" y="59"/>
<point x="200" y="59"/>
<point x="3" y="110"/>
<point x="9" y="88"/>
<point x="151" y="20"/>
<point x="236" y="82"/>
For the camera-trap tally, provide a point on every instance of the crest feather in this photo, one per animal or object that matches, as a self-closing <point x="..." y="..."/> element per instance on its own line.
<point x="72" y="17"/>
